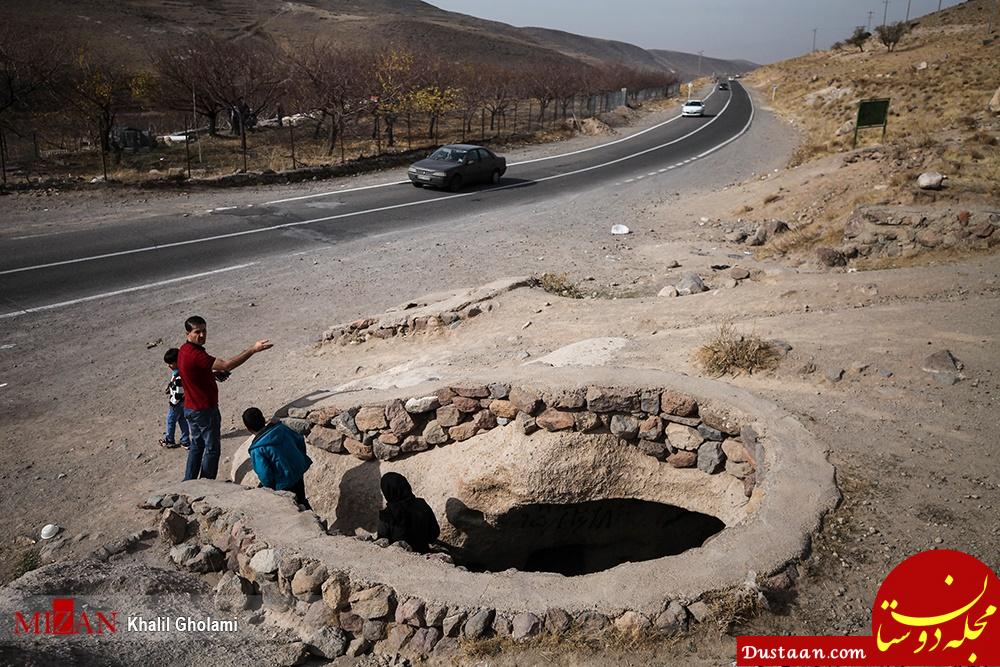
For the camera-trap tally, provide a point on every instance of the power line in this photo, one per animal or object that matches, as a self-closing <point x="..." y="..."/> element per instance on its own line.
<point x="907" y="19"/>
<point x="885" y="13"/>
<point x="870" y="14"/>
<point x="814" y="39"/>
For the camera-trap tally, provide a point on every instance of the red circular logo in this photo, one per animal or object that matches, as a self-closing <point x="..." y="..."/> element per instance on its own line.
<point x="938" y="607"/>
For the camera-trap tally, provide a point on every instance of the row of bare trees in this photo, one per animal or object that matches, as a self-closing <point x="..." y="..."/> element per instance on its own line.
<point x="238" y="80"/>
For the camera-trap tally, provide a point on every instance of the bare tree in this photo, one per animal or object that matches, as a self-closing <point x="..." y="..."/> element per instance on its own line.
<point x="890" y="34"/>
<point x="332" y="80"/>
<point x="498" y="90"/>
<point x="181" y="81"/>
<point x="858" y="38"/>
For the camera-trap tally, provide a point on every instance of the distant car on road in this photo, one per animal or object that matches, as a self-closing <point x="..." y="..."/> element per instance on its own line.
<point x="693" y="108"/>
<point x="723" y="86"/>
<point x="456" y="165"/>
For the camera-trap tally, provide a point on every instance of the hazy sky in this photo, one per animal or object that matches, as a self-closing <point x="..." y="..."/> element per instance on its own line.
<point x="759" y="30"/>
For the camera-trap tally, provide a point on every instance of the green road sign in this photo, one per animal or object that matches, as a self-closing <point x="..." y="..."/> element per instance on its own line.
<point x="872" y="113"/>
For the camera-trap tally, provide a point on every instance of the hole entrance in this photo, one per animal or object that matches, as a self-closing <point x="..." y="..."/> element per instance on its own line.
<point x="577" y="538"/>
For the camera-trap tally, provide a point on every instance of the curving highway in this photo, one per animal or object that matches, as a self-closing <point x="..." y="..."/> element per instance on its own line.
<point x="44" y="273"/>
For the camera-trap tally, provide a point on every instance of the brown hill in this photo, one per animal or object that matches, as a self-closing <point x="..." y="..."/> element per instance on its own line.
<point x="131" y="27"/>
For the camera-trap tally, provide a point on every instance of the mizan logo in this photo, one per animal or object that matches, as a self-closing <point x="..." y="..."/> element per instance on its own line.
<point x="63" y="619"/>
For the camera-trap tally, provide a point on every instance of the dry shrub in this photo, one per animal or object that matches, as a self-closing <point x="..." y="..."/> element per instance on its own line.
<point x="29" y="560"/>
<point x="733" y="608"/>
<point x="560" y="285"/>
<point x="733" y="352"/>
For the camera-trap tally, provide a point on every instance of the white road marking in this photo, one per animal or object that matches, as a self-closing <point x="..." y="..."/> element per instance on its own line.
<point x="629" y="180"/>
<point x="3" y="385"/>
<point x="7" y="346"/>
<point x="137" y="288"/>
<point x="512" y="164"/>
<point x="341" y="216"/>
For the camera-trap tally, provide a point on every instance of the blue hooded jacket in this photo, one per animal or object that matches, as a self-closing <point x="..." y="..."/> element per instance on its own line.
<point x="279" y="457"/>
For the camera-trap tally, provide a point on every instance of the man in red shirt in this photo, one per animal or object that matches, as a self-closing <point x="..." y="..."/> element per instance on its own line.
<point x="199" y="372"/>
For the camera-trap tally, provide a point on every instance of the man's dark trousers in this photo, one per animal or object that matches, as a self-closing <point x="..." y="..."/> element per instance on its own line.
<point x="205" y="428"/>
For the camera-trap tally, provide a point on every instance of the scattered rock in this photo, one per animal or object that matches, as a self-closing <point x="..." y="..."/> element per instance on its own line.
<point x="994" y="104"/>
<point x="668" y="291"/>
<point x="620" y="229"/>
<point x="690" y="283"/>
<point x="739" y="273"/>
<point x="834" y="374"/>
<point x="930" y="180"/>
<point x="829" y="257"/>
<point x="943" y="367"/>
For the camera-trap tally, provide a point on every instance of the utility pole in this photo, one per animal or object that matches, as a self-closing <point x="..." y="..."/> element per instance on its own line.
<point x="885" y="12"/>
<point x="814" y="39"/>
<point x="699" y="62"/>
<point x="907" y="19"/>
<point x="870" y="14"/>
<point x="939" y="5"/>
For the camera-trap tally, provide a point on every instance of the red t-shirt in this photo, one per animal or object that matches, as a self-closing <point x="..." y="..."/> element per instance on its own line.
<point x="195" y="365"/>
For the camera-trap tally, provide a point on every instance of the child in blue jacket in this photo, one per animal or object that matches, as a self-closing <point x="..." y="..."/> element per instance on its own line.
<point x="278" y="455"/>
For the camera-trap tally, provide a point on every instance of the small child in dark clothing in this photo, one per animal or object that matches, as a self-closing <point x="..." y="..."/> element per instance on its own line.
<point x="175" y="404"/>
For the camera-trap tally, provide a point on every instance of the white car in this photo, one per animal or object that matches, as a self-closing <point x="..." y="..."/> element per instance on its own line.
<point x="693" y="108"/>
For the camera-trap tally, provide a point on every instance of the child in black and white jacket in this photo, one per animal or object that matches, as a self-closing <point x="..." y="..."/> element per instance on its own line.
<point x="175" y="404"/>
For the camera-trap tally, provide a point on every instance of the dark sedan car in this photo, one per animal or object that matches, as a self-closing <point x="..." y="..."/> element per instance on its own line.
<point x="455" y="165"/>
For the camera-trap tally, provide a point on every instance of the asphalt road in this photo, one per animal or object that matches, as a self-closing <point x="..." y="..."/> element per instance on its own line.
<point x="43" y="273"/>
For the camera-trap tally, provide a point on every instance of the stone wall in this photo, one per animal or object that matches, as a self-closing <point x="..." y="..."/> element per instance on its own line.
<point x="336" y="614"/>
<point x="663" y="423"/>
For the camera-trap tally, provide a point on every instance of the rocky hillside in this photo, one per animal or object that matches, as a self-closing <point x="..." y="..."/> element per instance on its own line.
<point x="940" y="153"/>
<point x="131" y="26"/>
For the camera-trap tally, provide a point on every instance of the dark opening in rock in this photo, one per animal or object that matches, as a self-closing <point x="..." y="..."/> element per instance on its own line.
<point x="578" y="538"/>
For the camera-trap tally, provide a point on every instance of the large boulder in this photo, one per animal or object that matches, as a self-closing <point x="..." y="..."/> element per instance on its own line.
<point x="690" y="283"/>
<point x="930" y="180"/>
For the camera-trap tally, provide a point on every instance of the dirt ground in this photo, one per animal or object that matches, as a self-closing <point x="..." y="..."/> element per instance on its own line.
<point x="915" y="459"/>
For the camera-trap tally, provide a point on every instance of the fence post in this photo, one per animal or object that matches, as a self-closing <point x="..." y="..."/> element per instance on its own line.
<point x="3" y="157"/>
<point x="291" y="139"/>
<point x="409" y="137"/>
<point x="482" y="124"/>
<point x="187" y="150"/>
<point x="514" y="131"/>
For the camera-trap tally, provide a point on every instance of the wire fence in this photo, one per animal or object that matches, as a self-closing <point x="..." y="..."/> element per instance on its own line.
<point x="55" y="146"/>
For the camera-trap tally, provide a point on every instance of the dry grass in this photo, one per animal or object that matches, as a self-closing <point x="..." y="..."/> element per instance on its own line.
<point x="611" y="639"/>
<point x="733" y="352"/>
<point x="940" y="105"/>
<point x="560" y="285"/>
<point x="733" y="608"/>
<point x="29" y="560"/>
